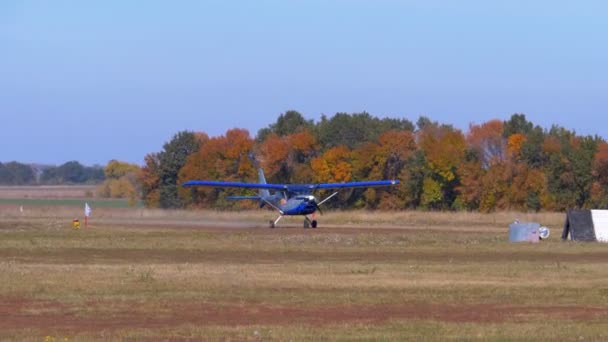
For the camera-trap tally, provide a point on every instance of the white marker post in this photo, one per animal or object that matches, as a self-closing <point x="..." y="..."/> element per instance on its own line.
<point x="87" y="213"/>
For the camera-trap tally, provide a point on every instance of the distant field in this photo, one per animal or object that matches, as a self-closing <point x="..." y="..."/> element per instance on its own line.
<point x="68" y="195"/>
<point x="97" y="203"/>
<point x="48" y="192"/>
<point x="151" y="275"/>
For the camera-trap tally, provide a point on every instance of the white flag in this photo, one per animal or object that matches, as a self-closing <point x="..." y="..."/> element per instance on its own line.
<point x="87" y="210"/>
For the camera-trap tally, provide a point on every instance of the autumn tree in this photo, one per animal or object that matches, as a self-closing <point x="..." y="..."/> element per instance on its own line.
<point x="515" y="143"/>
<point x="444" y="148"/>
<point x="286" y="159"/>
<point x="121" y="181"/>
<point x="334" y="166"/>
<point x="599" y="190"/>
<point x="488" y="142"/>
<point x="149" y="180"/>
<point x="384" y="160"/>
<point x="116" y="169"/>
<point x="273" y="155"/>
<point x="226" y="158"/>
<point x="471" y="187"/>
<point x="527" y="189"/>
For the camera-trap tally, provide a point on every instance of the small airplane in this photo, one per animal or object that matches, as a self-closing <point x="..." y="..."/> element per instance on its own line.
<point x="289" y="199"/>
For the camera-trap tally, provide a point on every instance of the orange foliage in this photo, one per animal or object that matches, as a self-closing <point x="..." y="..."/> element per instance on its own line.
<point x="600" y="168"/>
<point x="302" y="141"/>
<point x="219" y="158"/>
<point x="398" y="143"/>
<point x="471" y="187"/>
<point x="525" y="181"/>
<point x="488" y="141"/>
<point x="601" y="156"/>
<point x="551" y="145"/>
<point x="444" y="148"/>
<point x="273" y="154"/>
<point x="279" y="156"/>
<point x="333" y="166"/>
<point x="364" y="160"/>
<point x="494" y="188"/>
<point x="515" y="143"/>
<point x="149" y="178"/>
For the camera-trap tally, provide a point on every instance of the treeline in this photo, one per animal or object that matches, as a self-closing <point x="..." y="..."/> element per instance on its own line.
<point x="15" y="173"/>
<point x="496" y="165"/>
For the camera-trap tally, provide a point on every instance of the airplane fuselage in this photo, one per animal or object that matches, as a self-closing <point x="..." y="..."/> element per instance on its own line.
<point x="300" y="205"/>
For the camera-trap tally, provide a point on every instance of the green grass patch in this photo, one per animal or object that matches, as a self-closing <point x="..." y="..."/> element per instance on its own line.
<point x="95" y="203"/>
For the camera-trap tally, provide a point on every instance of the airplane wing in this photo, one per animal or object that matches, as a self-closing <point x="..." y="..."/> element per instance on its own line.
<point x="237" y="198"/>
<point x="292" y="187"/>
<point x="368" y="184"/>
<point x="217" y="184"/>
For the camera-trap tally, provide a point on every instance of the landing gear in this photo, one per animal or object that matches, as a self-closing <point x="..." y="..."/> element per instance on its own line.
<point x="308" y="223"/>
<point x="274" y="223"/>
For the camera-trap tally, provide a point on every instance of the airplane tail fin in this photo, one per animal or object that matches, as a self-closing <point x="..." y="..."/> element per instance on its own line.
<point x="262" y="180"/>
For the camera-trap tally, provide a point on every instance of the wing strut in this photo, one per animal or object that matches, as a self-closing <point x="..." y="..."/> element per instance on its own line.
<point x="327" y="198"/>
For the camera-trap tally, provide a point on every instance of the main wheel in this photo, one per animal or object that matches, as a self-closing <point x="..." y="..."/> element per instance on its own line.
<point x="314" y="223"/>
<point x="306" y="224"/>
<point x="271" y="224"/>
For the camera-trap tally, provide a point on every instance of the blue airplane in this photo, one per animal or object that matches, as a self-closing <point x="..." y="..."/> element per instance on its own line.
<point x="289" y="199"/>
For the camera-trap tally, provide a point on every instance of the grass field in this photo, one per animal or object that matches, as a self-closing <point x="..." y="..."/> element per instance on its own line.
<point x="57" y="195"/>
<point x="138" y="274"/>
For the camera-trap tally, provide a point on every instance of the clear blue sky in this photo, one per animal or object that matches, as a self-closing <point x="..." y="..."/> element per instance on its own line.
<point x="97" y="80"/>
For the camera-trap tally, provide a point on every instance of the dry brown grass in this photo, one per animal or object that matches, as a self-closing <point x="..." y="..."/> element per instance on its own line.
<point x="148" y="274"/>
<point x="408" y="219"/>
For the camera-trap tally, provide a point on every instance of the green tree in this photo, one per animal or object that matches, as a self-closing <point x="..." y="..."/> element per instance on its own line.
<point x="517" y="124"/>
<point x="532" y="148"/>
<point x="6" y="176"/>
<point x="288" y="123"/>
<point x="72" y="172"/>
<point x="21" y="174"/>
<point x="171" y="160"/>
<point x="412" y="176"/>
<point x="569" y="168"/>
<point x="352" y="130"/>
